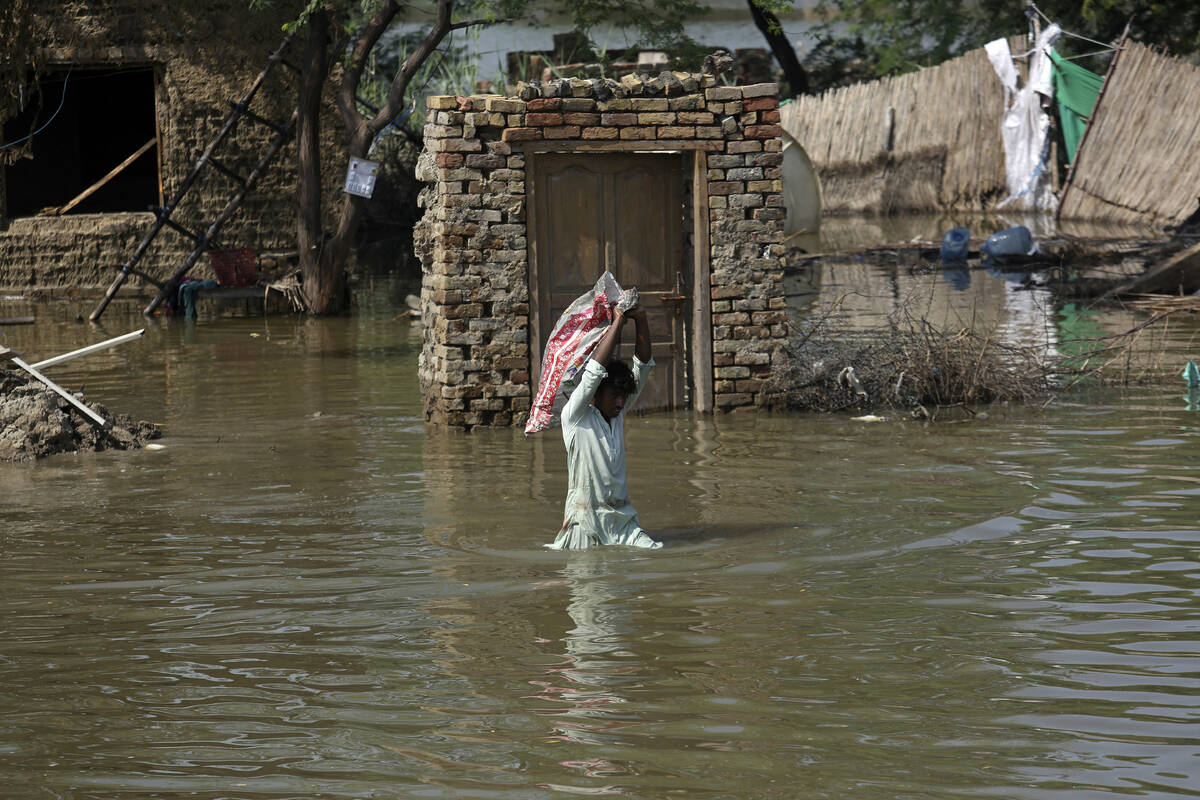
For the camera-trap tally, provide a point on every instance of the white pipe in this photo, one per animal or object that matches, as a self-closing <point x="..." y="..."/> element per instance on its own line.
<point x="91" y="348"/>
<point x="99" y="420"/>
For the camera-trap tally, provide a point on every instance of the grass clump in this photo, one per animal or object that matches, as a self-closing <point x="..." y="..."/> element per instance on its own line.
<point x="907" y="363"/>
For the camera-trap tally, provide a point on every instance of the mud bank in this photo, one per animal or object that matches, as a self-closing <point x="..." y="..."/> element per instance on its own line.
<point x="35" y="422"/>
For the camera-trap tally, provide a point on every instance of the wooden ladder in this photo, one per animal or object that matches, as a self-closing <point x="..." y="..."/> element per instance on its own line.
<point x="204" y="239"/>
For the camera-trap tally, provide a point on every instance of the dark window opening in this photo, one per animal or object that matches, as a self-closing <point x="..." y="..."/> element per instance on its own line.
<point x="94" y="120"/>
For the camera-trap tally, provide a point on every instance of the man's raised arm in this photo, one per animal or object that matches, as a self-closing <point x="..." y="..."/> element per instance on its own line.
<point x="611" y="338"/>
<point x="641" y="345"/>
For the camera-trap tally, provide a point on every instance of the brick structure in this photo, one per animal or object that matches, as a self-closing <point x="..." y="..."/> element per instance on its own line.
<point x="475" y="366"/>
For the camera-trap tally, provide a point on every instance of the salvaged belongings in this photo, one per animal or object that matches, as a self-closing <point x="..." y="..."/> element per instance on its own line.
<point x="571" y="343"/>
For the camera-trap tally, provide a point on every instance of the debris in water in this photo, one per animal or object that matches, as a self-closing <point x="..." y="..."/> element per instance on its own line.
<point x="35" y="422"/>
<point x="1191" y="374"/>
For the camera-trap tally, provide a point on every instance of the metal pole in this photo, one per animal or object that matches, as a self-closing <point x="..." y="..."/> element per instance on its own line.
<point x="70" y="398"/>
<point x="92" y="348"/>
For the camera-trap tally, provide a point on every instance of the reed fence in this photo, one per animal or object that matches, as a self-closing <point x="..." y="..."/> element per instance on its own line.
<point x="1141" y="160"/>
<point x="925" y="141"/>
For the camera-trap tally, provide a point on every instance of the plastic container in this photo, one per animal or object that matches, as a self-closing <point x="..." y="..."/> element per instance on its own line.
<point x="955" y="244"/>
<point x="1016" y="241"/>
<point x="958" y="277"/>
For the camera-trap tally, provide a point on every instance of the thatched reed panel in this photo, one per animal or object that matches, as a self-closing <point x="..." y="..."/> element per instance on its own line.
<point x="1140" y="162"/>
<point x="943" y="127"/>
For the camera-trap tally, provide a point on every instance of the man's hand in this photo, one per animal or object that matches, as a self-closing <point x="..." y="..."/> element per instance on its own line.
<point x="636" y="313"/>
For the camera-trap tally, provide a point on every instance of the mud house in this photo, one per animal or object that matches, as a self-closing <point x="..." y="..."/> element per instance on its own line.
<point x="119" y="100"/>
<point x="671" y="183"/>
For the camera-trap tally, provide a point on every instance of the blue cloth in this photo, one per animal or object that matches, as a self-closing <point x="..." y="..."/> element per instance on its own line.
<point x="187" y="295"/>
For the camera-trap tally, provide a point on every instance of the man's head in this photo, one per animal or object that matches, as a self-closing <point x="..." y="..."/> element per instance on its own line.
<point x="613" y="391"/>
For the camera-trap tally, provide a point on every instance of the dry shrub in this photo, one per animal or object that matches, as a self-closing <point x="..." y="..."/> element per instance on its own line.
<point x="907" y="363"/>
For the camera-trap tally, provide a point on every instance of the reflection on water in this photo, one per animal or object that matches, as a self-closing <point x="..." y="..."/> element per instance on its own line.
<point x="309" y="594"/>
<point x="848" y="233"/>
<point x="1013" y="305"/>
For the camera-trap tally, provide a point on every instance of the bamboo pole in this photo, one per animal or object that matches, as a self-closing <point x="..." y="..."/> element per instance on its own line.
<point x="281" y="138"/>
<point x="164" y="214"/>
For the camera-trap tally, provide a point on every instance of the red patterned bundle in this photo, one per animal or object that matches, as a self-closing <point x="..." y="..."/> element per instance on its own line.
<point x="571" y="343"/>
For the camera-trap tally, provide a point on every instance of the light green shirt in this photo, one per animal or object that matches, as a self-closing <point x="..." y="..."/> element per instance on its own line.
<point x="597" y="510"/>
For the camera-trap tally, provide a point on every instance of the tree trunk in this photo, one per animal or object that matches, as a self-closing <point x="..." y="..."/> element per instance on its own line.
<point x="785" y="54"/>
<point x="323" y="258"/>
<point x="322" y="283"/>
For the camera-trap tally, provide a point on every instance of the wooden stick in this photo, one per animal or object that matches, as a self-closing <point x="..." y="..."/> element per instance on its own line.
<point x="112" y="174"/>
<point x="70" y="398"/>
<point x="794" y="235"/>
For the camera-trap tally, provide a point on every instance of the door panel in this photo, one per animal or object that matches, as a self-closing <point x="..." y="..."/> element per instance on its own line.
<point x="621" y="212"/>
<point x="577" y="235"/>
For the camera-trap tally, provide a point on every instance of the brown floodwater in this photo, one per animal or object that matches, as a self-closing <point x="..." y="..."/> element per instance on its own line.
<point x="309" y="594"/>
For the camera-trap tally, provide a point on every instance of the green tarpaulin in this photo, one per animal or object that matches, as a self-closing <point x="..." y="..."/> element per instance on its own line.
<point x="1075" y="91"/>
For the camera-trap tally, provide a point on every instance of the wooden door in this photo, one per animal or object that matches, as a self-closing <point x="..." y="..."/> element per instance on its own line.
<point x="622" y="212"/>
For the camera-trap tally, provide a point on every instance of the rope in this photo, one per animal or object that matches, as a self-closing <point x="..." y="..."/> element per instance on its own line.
<point x="391" y="125"/>
<point x="1068" y="33"/>
<point x="1087" y="55"/>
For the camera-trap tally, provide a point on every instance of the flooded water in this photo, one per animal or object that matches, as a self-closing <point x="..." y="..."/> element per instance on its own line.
<point x="308" y="594"/>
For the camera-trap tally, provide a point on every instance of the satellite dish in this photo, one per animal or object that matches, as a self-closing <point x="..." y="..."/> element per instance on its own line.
<point x="801" y="190"/>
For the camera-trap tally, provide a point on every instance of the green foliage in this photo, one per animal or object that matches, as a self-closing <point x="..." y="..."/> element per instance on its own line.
<point x="901" y="36"/>
<point x="16" y="21"/>
<point x="310" y="8"/>
<point x="775" y="7"/>
<point x="452" y="70"/>
<point x="657" y="24"/>
<point x="839" y="62"/>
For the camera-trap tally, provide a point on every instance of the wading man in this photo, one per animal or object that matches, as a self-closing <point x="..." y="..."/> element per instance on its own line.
<point x="598" y="511"/>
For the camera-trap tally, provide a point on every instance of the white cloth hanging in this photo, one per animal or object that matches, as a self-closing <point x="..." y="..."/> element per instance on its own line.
<point x="1026" y="126"/>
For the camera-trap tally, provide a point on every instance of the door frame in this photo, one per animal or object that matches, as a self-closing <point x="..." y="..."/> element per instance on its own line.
<point x="699" y="366"/>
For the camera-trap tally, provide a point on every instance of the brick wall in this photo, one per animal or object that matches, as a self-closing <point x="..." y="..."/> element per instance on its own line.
<point x="473" y="242"/>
